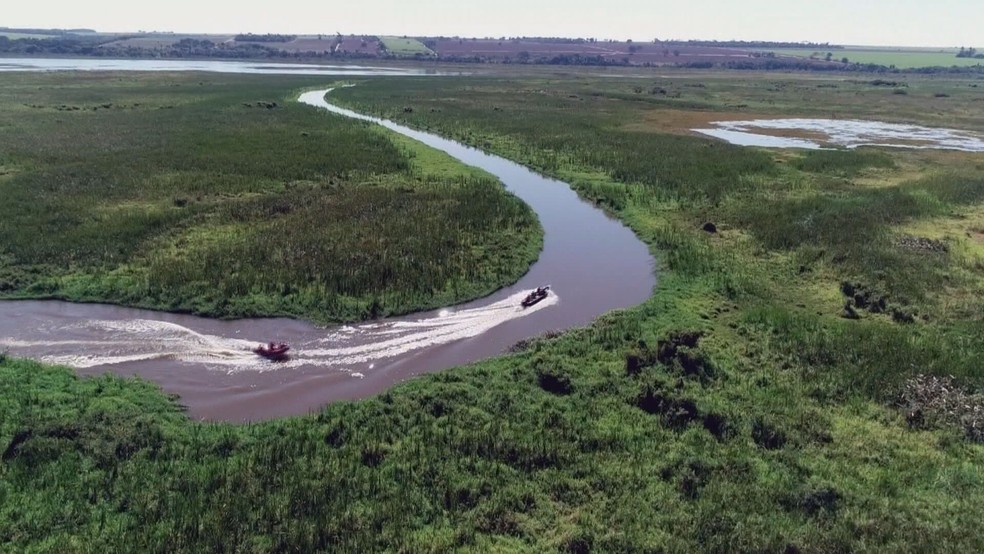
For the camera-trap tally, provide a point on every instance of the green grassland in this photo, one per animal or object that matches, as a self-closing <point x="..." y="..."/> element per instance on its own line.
<point x="16" y="36"/>
<point x="737" y="410"/>
<point x="223" y="196"/>
<point x="943" y="101"/>
<point x="900" y="58"/>
<point x="405" y="47"/>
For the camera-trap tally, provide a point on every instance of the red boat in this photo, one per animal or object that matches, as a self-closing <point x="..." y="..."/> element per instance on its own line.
<point x="537" y="295"/>
<point x="273" y="350"/>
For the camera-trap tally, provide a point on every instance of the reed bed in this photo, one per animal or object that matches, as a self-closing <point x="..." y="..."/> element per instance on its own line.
<point x="185" y="193"/>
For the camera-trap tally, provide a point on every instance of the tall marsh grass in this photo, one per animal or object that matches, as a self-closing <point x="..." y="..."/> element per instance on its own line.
<point x="190" y="197"/>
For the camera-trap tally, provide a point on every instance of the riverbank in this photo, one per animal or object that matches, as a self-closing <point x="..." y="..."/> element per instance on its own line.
<point x="748" y="405"/>
<point x="840" y="222"/>
<point x="210" y="363"/>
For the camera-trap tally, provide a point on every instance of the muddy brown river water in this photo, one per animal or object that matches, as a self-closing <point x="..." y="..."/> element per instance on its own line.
<point x="593" y="262"/>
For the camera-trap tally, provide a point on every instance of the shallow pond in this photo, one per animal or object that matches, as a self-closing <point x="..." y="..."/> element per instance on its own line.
<point x="845" y="133"/>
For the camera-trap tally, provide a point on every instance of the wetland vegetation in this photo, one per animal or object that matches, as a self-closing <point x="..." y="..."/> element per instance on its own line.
<point x="787" y="388"/>
<point x="222" y="196"/>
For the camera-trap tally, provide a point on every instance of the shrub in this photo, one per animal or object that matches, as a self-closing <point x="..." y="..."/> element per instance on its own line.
<point x="553" y="376"/>
<point x="930" y="401"/>
<point x="766" y="435"/>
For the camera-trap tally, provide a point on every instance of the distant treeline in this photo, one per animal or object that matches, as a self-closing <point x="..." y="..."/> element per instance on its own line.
<point x="544" y="40"/>
<point x="969" y="53"/>
<point x="753" y="44"/>
<point x="61" y="45"/>
<point x="785" y="64"/>
<point x="756" y="61"/>
<point x="250" y="37"/>
<point x="96" y="46"/>
<point x="708" y="43"/>
<point x="53" y="32"/>
<point x="552" y="40"/>
<point x="185" y="48"/>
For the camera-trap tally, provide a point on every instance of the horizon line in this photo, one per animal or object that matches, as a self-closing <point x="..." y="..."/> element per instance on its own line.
<point x="488" y="37"/>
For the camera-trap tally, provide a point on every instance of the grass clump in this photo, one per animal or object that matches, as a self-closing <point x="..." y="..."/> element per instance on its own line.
<point x="930" y="401"/>
<point x="846" y="163"/>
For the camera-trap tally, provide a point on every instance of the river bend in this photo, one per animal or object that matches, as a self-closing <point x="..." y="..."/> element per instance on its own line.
<point x="593" y="262"/>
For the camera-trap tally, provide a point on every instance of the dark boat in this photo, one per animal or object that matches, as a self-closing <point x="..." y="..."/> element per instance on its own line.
<point x="273" y="350"/>
<point x="537" y="295"/>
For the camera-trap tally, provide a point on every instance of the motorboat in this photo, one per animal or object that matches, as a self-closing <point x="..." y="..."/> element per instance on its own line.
<point x="535" y="296"/>
<point x="272" y="350"/>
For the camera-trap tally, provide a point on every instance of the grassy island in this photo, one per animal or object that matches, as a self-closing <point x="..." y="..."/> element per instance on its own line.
<point x="222" y="196"/>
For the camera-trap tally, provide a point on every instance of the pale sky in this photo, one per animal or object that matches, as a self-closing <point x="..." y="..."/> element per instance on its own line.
<point x="874" y="22"/>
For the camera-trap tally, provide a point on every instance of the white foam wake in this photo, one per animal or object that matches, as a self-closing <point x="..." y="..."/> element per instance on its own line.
<point x="116" y="342"/>
<point x="137" y="340"/>
<point x="402" y="337"/>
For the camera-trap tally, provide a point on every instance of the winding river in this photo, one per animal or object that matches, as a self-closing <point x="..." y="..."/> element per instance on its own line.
<point x="593" y="262"/>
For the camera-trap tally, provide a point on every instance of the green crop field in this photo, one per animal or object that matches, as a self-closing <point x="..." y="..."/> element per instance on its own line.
<point x="224" y="196"/>
<point x="807" y="378"/>
<point x="16" y="36"/>
<point x="901" y="58"/>
<point x="405" y="47"/>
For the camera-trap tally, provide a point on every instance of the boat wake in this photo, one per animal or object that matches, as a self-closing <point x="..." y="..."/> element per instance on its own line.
<point x="97" y="343"/>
